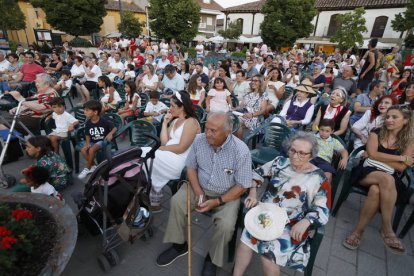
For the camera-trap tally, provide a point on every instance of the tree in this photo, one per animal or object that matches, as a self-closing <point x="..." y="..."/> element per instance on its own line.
<point x="133" y="28"/>
<point x="404" y="21"/>
<point x="76" y="17"/>
<point x="352" y="25"/>
<point x="177" y="19"/>
<point x="12" y="18"/>
<point x="286" y="20"/>
<point x="234" y="30"/>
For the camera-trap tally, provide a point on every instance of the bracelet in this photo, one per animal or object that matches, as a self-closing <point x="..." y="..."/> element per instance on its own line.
<point x="221" y="202"/>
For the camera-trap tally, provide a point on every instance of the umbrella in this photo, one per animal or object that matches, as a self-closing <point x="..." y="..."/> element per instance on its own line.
<point x="380" y="45"/>
<point x="113" y="35"/>
<point x="199" y="38"/>
<point x="216" y="39"/>
<point x="253" y="39"/>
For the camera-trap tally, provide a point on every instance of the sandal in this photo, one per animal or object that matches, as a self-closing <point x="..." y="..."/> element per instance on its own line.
<point x="352" y="241"/>
<point x="393" y="244"/>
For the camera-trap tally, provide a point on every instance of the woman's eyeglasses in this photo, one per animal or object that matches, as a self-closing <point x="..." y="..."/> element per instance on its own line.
<point x="300" y="154"/>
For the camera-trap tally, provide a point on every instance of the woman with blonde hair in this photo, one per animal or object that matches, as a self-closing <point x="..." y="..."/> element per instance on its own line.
<point x="390" y="151"/>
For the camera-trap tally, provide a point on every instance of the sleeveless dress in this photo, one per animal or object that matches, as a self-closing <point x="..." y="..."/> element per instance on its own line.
<point x="167" y="164"/>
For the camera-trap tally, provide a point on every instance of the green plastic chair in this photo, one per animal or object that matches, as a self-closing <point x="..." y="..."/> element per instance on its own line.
<point x="166" y="101"/>
<point x="79" y="114"/>
<point x="65" y="144"/>
<point x="137" y="130"/>
<point x="234" y="101"/>
<point x="410" y="221"/>
<point x="349" y="187"/>
<point x="314" y="247"/>
<point x="66" y="95"/>
<point x="274" y="136"/>
<point x="286" y="95"/>
<point x="236" y="123"/>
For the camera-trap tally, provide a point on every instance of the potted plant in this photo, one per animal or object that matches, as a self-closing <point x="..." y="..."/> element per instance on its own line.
<point x="37" y="234"/>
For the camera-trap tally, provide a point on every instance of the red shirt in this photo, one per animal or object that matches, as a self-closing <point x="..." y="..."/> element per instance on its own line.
<point x="30" y="71"/>
<point x="139" y="61"/>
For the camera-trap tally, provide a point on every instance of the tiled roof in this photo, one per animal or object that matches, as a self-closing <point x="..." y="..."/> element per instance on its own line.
<point x="248" y="7"/>
<point x="327" y="5"/>
<point x="351" y="4"/>
<point x="114" y="6"/>
<point x="212" y="6"/>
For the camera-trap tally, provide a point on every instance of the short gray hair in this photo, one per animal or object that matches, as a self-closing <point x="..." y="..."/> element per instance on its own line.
<point x="228" y="123"/>
<point x="46" y="79"/>
<point x="307" y="137"/>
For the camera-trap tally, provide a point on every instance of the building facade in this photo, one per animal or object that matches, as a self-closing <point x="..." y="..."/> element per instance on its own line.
<point x="379" y="14"/>
<point x="36" y="19"/>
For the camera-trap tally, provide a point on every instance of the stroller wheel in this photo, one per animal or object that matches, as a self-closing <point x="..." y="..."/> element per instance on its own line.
<point x="104" y="263"/>
<point x="112" y="257"/>
<point x="150" y="231"/>
<point x="7" y="181"/>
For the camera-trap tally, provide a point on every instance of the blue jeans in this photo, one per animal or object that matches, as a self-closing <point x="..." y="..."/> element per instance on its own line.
<point x="4" y="86"/>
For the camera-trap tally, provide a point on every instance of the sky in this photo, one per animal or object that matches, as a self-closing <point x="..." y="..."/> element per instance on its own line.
<point x="229" y="3"/>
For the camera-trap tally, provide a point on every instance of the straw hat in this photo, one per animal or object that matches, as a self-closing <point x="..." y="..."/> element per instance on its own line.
<point x="266" y="221"/>
<point x="306" y="86"/>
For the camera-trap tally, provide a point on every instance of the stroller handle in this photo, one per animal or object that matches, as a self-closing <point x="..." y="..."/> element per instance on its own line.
<point x="151" y="153"/>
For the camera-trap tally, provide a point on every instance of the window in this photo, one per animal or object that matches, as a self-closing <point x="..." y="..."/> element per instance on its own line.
<point x="240" y="21"/>
<point x="379" y="26"/>
<point x="209" y="21"/>
<point x="334" y="25"/>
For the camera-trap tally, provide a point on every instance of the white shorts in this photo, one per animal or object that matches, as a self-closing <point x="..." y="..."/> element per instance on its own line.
<point x="60" y="134"/>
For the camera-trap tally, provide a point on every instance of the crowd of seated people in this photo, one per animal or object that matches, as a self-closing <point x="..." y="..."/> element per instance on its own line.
<point x="339" y="102"/>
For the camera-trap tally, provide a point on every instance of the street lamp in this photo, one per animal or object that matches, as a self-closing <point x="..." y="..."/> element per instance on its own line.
<point x="121" y="15"/>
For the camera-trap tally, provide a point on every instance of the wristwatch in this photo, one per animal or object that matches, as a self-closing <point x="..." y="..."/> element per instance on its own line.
<point x="221" y="202"/>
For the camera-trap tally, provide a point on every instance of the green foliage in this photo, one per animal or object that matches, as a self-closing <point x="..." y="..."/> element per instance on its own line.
<point x="409" y="41"/>
<point x="244" y="50"/>
<point x="239" y="54"/>
<point x="352" y="26"/>
<point x="234" y="30"/>
<point x="13" y="46"/>
<point x="286" y="20"/>
<point x="191" y="52"/>
<point x="80" y="42"/>
<point x="17" y="233"/>
<point x="404" y="21"/>
<point x="45" y="48"/>
<point x="12" y="18"/>
<point x="177" y="19"/>
<point x="132" y="26"/>
<point x="76" y="17"/>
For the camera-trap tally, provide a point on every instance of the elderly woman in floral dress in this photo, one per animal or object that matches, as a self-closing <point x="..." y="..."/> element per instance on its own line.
<point x="302" y="189"/>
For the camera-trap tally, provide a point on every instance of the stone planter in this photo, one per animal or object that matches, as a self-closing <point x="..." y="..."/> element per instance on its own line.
<point x="67" y="228"/>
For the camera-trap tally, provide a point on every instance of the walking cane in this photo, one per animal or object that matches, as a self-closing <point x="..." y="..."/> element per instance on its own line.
<point x="189" y="226"/>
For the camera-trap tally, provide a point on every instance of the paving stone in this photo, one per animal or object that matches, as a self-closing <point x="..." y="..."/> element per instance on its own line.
<point x="323" y="253"/>
<point x="370" y="265"/>
<point x="372" y="243"/>
<point x="318" y="271"/>
<point x="339" y="267"/>
<point x="399" y="265"/>
<point x="339" y="251"/>
<point x="347" y="218"/>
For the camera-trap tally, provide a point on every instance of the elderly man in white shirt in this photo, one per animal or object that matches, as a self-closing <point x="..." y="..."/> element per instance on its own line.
<point x="4" y="63"/>
<point x="116" y="67"/>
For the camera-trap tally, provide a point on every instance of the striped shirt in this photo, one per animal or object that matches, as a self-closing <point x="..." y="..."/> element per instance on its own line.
<point x="219" y="170"/>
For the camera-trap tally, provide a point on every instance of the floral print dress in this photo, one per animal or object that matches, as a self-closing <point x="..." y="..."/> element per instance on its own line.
<point x="303" y="195"/>
<point x="253" y="101"/>
<point x="58" y="170"/>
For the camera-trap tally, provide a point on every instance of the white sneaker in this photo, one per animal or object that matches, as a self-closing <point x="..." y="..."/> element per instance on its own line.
<point x="92" y="169"/>
<point x="84" y="173"/>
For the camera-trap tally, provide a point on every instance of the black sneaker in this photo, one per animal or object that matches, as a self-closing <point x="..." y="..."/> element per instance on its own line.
<point x="209" y="269"/>
<point x="171" y="254"/>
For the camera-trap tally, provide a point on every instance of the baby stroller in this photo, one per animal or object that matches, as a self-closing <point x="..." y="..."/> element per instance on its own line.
<point x="115" y="202"/>
<point x="7" y="180"/>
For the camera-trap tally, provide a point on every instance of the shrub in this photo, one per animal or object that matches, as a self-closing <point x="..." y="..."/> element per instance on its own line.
<point x="80" y="42"/>
<point x="191" y="52"/>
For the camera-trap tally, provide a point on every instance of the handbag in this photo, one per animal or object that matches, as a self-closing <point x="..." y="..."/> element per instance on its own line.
<point x="378" y="165"/>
